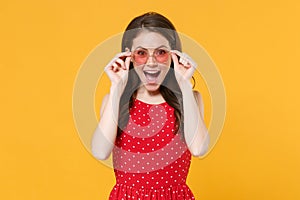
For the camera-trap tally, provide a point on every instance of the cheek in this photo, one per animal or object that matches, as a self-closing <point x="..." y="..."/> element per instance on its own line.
<point x="139" y="71"/>
<point x="164" y="72"/>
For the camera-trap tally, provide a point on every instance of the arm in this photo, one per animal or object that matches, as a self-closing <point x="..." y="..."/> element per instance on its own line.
<point x="105" y="134"/>
<point x="195" y="131"/>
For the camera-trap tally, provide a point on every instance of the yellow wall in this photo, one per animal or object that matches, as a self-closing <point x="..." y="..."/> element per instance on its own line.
<point x="255" y="45"/>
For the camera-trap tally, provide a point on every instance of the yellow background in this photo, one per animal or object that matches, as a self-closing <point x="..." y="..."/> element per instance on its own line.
<point x="255" y="45"/>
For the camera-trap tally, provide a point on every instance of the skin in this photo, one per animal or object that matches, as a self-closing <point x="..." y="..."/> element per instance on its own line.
<point x="151" y="40"/>
<point x="196" y="134"/>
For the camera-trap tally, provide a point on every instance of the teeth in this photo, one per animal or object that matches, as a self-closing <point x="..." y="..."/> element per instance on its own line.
<point x="151" y="72"/>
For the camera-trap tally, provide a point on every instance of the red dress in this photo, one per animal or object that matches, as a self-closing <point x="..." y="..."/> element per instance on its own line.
<point x="150" y="161"/>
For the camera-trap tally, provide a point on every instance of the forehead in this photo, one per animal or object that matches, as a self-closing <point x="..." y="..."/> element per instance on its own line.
<point x="148" y="39"/>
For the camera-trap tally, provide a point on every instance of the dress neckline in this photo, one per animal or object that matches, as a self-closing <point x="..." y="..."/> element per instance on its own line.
<point x="152" y="104"/>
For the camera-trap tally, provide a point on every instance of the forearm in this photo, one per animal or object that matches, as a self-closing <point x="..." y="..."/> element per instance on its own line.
<point x="195" y="131"/>
<point x="105" y="134"/>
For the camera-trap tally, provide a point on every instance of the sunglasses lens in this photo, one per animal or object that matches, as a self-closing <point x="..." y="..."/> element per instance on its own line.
<point x="140" y="56"/>
<point x="161" y="55"/>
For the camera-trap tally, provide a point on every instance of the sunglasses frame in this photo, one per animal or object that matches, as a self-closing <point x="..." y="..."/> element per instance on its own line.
<point x="168" y="51"/>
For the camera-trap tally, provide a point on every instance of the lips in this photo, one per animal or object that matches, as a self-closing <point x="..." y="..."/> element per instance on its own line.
<point x="151" y="75"/>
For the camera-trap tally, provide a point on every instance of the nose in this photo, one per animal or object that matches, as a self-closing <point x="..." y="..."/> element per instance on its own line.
<point x="151" y="61"/>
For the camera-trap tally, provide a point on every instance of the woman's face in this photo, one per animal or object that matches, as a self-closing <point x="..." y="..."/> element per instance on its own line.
<point x="151" y="58"/>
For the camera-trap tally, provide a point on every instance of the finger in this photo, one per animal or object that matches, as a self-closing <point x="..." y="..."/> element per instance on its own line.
<point x="118" y="59"/>
<point x="121" y="62"/>
<point x="177" y="52"/>
<point x="174" y="58"/>
<point x="189" y="60"/>
<point x="124" y="54"/>
<point x="181" y="55"/>
<point x="115" y="66"/>
<point x="127" y="62"/>
<point x="180" y="60"/>
<point x="184" y="62"/>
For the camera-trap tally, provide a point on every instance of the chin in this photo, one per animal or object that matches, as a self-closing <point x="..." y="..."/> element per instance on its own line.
<point x="152" y="87"/>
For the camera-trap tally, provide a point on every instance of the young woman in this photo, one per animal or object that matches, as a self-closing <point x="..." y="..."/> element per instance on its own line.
<point x="152" y="120"/>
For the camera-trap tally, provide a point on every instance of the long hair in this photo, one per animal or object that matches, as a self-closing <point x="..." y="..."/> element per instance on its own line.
<point x="169" y="88"/>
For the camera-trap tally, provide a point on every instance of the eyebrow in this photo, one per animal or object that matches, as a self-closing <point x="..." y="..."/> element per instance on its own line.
<point x="154" y="48"/>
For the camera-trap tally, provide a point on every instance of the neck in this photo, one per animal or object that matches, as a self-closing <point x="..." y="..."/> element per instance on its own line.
<point x="144" y="94"/>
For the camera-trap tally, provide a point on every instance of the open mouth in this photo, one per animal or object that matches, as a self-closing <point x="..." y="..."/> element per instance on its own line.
<point x="151" y="76"/>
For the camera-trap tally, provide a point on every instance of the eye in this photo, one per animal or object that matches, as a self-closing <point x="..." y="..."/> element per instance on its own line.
<point x="160" y="52"/>
<point x="141" y="52"/>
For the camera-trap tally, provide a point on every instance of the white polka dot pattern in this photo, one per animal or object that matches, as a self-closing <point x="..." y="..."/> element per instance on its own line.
<point x="150" y="161"/>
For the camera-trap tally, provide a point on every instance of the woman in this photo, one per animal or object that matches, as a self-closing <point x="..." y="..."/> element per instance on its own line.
<point x="159" y="117"/>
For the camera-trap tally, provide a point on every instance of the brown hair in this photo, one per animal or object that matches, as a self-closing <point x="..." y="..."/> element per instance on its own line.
<point x="169" y="88"/>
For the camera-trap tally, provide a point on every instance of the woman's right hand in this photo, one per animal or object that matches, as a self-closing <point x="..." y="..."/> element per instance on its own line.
<point x="117" y="69"/>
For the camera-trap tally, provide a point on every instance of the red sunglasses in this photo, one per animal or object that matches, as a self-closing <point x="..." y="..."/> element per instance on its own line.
<point x="140" y="56"/>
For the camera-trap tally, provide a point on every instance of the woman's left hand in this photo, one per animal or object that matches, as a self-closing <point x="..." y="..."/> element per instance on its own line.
<point x="184" y="67"/>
